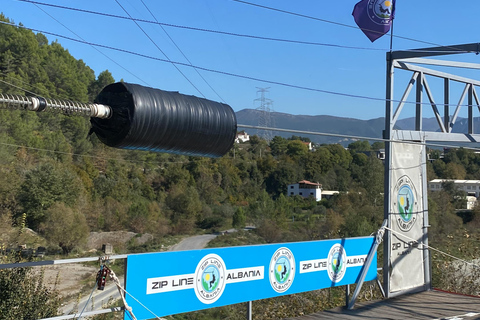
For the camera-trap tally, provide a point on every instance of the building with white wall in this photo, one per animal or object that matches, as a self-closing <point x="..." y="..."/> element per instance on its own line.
<point x="305" y="189"/>
<point x="242" y="136"/>
<point x="471" y="187"/>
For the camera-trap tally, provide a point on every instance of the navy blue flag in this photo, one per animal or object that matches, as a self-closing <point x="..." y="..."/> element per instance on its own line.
<point x="374" y="17"/>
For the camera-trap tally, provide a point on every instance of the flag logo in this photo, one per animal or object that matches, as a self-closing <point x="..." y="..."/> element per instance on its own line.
<point x="210" y="278"/>
<point x="374" y="17"/>
<point x="380" y="11"/>
<point x="337" y="262"/>
<point x="282" y="270"/>
<point x="406" y="203"/>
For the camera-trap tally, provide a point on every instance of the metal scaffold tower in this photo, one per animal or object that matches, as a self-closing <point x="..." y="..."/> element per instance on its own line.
<point x="265" y="119"/>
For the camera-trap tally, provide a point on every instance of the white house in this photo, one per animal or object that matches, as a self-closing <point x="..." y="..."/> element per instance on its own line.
<point x="242" y="136"/>
<point x="305" y="189"/>
<point x="471" y="187"/>
<point x="309" y="145"/>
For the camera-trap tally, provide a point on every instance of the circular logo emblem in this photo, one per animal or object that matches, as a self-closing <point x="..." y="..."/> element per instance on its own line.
<point x="405" y="204"/>
<point x="336" y="262"/>
<point x="380" y="11"/>
<point x="282" y="270"/>
<point x="210" y="278"/>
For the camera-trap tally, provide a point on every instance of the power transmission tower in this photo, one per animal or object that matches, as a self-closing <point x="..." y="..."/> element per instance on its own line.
<point x="265" y="119"/>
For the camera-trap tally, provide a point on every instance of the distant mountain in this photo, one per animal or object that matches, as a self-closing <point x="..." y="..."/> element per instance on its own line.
<point x="322" y="123"/>
<point x="345" y="126"/>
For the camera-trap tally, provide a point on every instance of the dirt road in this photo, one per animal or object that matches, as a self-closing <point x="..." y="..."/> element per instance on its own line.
<point x="110" y="293"/>
<point x="192" y="243"/>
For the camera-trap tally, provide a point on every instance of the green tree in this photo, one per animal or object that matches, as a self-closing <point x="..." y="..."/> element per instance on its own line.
<point x="23" y="295"/>
<point x="65" y="227"/>
<point x="278" y="145"/>
<point x="296" y="148"/>
<point x="360" y="145"/>
<point x="45" y="186"/>
<point x="104" y="78"/>
<point x="377" y="145"/>
<point x="239" y="218"/>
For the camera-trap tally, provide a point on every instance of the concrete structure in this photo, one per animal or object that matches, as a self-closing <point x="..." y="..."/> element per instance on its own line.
<point x="471" y="202"/>
<point x="327" y="194"/>
<point x="305" y="189"/>
<point x="471" y="187"/>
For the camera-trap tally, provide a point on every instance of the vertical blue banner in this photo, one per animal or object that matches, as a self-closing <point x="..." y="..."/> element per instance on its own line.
<point x="175" y="282"/>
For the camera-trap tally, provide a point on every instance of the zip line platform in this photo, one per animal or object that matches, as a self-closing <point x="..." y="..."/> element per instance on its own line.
<point x="431" y="305"/>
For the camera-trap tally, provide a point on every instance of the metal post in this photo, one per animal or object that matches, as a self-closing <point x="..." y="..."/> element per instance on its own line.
<point x="347" y="295"/>
<point x="470" y="109"/>
<point x="124" y="283"/>
<point x="249" y="310"/>
<point x="446" y="101"/>
<point x="388" y="156"/>
<point x="419" y="107"/>
<point x="426" y="253"/>
<point x="368" y="262"/>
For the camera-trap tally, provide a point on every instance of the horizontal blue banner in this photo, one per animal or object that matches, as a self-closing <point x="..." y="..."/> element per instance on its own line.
<point x="182" y="281"/>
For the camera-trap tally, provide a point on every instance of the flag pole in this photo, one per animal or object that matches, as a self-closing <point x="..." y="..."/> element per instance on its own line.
<point x="391" y="27"/>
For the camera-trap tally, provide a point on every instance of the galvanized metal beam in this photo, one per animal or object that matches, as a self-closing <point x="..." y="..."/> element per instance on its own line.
<point x="404" y="97"/>
<point x="56" y="262"/>
<point x="443" y="63"/>
<point x="436" y="51"/>
<point x="434" y="105"/>
<point x="459" y="106"/>
<point x="435" y="73"/>
<point x="412" y="135"/>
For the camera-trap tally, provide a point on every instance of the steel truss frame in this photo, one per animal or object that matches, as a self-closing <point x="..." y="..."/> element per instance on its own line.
<point x="410" y="61"/>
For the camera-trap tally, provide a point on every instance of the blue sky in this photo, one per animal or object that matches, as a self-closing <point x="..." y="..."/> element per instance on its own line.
<point x="343" y="70"/>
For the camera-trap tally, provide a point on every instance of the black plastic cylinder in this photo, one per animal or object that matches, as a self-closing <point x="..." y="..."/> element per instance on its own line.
<point x="150" y="119"/>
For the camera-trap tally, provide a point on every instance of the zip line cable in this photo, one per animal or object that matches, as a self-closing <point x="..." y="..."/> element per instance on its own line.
<point x="106" y="56"/>
<point x="236" y="34"/>
<point x="88" y="300"/>
<point x="283" y="84"/>
<point x="159" y="49"/>
<point x="355" y="137"/>
<point x="425" y="246"/>
<point x="183" y="54"/>
<point x="258" y="128"/>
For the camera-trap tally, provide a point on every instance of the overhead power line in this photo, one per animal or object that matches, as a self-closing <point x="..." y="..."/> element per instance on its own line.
<point x="346" y="136"/>
<point x="226" y="73"/>
<point x="159" y="49"/>
<point x="337" y="135"/>
<point x="326" y="21"/>
<point x="203" y="29"/>
<point x="183" y="54"/>
<point x="106" y="56"/>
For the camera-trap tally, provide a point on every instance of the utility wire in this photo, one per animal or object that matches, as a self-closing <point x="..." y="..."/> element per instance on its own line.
<point x="258" y="128"/>
<point x="345" y="136"/>
<point x="221" y="32"/>
<point x="283" y="84"/>
<point x="183" y="54"/>
<point x="425" y="246"/>
<point x="106" y="56"/>
<point x="252" y="127"/>
<point x="326" y="21"/>
<point x="156" y="45"/>
<point x="25" y="83"/>
<point x="17" y="87"/>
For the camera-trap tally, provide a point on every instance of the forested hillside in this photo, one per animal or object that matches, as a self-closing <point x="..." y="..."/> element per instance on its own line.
<point x="56" y="176"/>
<point x="62" y="183"/>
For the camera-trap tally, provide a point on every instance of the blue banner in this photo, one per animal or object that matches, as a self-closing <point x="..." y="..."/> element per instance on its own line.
<point x="168" y="283"/>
